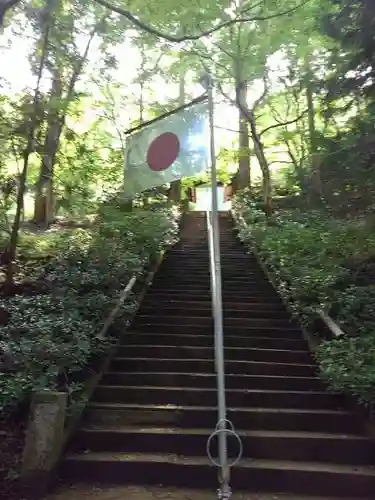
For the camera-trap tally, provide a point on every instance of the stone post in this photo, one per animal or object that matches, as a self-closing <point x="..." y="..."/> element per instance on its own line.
<point x="44" y="436"/>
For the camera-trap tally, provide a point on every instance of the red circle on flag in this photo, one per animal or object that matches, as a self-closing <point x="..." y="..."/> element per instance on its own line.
<point x="163" y="151"/>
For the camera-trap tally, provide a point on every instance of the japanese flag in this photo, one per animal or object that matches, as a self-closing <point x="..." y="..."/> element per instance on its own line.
<point x="171" y="148"/>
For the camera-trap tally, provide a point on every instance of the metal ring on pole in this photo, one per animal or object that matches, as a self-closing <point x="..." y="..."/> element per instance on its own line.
<point x="231" y="432"/>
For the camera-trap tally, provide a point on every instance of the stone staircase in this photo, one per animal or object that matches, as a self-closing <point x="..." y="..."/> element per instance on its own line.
<point x="153" y="411"/>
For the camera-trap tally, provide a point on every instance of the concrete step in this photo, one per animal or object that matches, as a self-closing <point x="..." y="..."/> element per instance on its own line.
<point x="270" y="445"/>
<point x="230" y="285"/>
<point x="252" y="418"/>
<point x="168" y="309"/>
<point x="193" y="277"/>
<point x="290" y="332"/>
<point x="196" y="305"/>
<point x="196" y="269"/>
<point x="239" y="271"/>
<point x="208" y="366"/>
<point x="207" y="340"/>
<point x="235" y="397"/>
<point x="265" y="475"/>
<point x="199" y="321"/>
<point x="231" y="353"/>
<point x="208" y="381"/>
<point x="228" y="296"/>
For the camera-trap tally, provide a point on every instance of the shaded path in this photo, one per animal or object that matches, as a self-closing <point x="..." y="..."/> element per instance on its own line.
<point x="139" y="493"/>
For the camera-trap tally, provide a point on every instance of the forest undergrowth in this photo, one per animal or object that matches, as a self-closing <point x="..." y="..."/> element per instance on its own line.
<point x="68" y="282"/>
<point x="322" y="263"/>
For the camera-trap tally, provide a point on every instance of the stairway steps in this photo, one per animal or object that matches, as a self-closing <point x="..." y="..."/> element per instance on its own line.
<point x="198" y="295"/>
<point x="189" y="270"/>
<point x="206" y="340"/>
<point x="198" y="253"/>
<point x="197" y="272"/>
<point x="154" y="408"/>
<point x="170" y="310"/>
<point x="270" y="445"/>
<point x="236" y="257"/>
<point x="195" y="305"/>
<point x="254" y="418"/>
<point x="198" y="396"/>
<point x="248" y="331"/>
<point x="247" y="286"/>
<point x="198" y="321"/>
<point x="265" y="475"/>
<point x="172" y="262"/>
<point x="208" y="381"/>
<point x="207" y="366"/>
<point x="232" y="353"/>
<point x="191" y="275"/>
<point x="203" y="280"/>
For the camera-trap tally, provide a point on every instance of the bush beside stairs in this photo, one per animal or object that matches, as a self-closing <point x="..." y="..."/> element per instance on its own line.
<point x="151" y="414"/>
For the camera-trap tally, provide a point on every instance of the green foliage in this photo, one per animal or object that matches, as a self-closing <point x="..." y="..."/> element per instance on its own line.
<point x="351" y="26"/>
<point x="51" y="337"/>
<point x="347" y="161"/>
<point x="314" y="259"/>
<point x="348" y="364"/>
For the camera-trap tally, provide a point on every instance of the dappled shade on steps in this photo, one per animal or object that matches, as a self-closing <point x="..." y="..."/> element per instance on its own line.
<point x="153" y="411"/>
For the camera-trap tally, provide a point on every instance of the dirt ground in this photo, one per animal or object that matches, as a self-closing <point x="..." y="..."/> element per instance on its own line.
<point x="139" y="493"/>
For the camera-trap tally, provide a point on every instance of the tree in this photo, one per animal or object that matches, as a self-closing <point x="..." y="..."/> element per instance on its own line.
<point x="5" y="6"/>
<point x="351" y="25"/>
<point x="233" y="66"/>
<point x="66" y="63"/>
<point x="31" y="125"/>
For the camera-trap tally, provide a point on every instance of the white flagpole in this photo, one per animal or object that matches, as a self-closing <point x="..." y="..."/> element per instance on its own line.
<point x="218" y="306"/>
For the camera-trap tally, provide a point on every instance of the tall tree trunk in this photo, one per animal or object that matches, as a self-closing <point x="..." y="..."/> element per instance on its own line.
<point x="263" y="163"/>
<point x="44" y="200"/>
<point x="44" y="206"/>
<point x="244" y="177"/>
<point x="316" y="183"/>
<point x="127" y="204"/>
<point x="142" y="109"/>
<point x="12" y="248"/>
<point x="175" y="188"/>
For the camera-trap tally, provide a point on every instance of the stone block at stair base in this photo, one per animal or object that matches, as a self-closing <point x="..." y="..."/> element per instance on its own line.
<point x="44" y="436"/>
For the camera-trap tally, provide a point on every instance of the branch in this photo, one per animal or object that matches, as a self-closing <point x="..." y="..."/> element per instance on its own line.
<point x="246" y="112"/>
<point x="229" y="129"/>
<point x="222" y="49"/>
<point x="259" y="101"/>
<point x="241" y="12"/>
<point x="281" y="161"/>
<point x="204" y="56"/>
<point x="178" y="39"/>
<point x="276" y="115"/>
<point x="283" y="124"/>
<point x="113" y="117"/>
<point x="291" y="155"/>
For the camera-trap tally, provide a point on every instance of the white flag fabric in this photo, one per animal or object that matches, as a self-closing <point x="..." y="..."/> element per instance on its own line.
<point x="171" y="148"/>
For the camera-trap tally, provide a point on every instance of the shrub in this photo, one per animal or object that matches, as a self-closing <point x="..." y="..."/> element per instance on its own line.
<point x="348" y="364"/>
<point x="313" y="258"/>
<point x="55" y="334"/>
